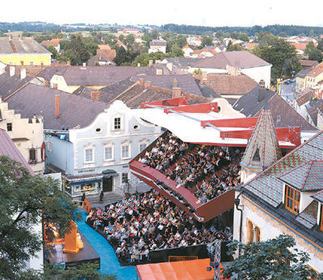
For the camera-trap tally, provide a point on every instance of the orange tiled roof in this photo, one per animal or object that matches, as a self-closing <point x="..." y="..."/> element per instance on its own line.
<point x="52" y="42"/>
<point x="316" y="71"/>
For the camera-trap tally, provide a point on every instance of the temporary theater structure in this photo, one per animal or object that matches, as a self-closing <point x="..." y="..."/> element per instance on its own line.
<point x="180" y="270"/>
<point x="213" y="123"/>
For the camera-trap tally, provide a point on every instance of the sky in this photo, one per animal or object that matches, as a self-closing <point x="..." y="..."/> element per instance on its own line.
<point x="206" y="12"/>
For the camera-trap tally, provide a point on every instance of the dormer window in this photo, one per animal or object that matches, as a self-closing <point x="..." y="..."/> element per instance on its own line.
<point x="292" y="199"/>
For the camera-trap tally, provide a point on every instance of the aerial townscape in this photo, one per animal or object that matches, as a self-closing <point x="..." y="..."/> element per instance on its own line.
<point x="160" y="151"/>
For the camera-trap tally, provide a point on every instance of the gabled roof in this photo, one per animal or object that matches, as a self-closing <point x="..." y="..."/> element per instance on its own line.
<point x="230" y="84"/>
<point x="9" y="149"/>
<point x="308" y="63"/>
<point x="313" y="107"/>
<point x="282" y="113"/>
<point x="21" y="46"/>
<point x="39" y="100"/>
<point x="99" y="58"/>
<point x="267" y="185"/>
<point x="317" y="70"/>
<point x="262" y="149"/>
<point x="162" y="43"/>
<point x="239" y="59"/>
<point x="306" y="177"/>
<point x="183" y="62"/>
<point x="303" y="72"/>
<point x="53" y="42"/>
<point x="185" y="81"/>
<point x="8" y="84"/>
<point x="305" y="96"/>
<point x="98" y="75"/>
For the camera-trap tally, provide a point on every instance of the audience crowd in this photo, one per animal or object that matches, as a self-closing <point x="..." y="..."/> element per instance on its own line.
<point x="145" y="222"/>
<point x="207" y="171"/>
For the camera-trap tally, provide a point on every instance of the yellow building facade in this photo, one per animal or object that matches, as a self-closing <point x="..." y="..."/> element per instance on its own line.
<point x="26" y="59"/>
<point x="23" y="51"/>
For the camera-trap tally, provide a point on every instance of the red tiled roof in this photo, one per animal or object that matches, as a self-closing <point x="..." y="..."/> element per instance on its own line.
<point x="52" y="42"/>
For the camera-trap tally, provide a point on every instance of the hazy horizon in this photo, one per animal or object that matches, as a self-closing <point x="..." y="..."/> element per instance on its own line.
<point x="207" y="13"/>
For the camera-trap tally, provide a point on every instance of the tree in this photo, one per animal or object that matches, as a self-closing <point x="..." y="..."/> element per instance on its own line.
<point x="313" y="52"/>
<point x="274" y="259"/>
<point x="280" y="54"/>
<point x="320" y="45"/>
<point x="122" y="56"/>
<point x="24" y="199"/>
<point x="53" y="51"/>
<point x="234" y="47"/>
<point x="207" y="41"/>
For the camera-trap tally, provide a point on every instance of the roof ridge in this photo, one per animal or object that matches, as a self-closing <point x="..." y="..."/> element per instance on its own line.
<point x="310" y="164"/>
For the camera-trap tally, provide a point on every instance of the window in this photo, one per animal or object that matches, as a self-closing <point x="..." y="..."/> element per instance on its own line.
<point x="278" y="118"/>
<point x="108" y="152"/>
<point x="31" y="63"/>
<point x="253" y="232"/>
<point x="32" y="155"/>
<point x="142" y="146"/>
<point x="124" y="178"/>
<point x="89" y="157"/>
<point x="117" y="123"/>
<point x="125" y="151"/>
<point x="9" y="126"/>
<point x="292" y="198"/>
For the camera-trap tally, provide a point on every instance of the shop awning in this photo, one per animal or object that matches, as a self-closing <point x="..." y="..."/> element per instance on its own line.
<point x="181" y="270"/>
<point x="109" y="173"/>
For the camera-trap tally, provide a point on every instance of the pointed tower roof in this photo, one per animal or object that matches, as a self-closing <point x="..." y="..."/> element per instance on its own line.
<point x="262" y="149"/>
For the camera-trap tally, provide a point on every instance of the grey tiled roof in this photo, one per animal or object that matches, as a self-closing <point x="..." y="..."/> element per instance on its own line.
<point x="186" y="82"/>
<point x="94" y="75"/>
<point x="183" y="62"/>
<point x="158" y="43"/>
<point x="262" y="149"/>
<point x="9" y="84"/>
<point x="308" y="217"/>
<point x="38" y="100"/>
<point x="21" y="45"/>
<point x="9" y="149"/>
<point x="319" y="196"/>
<point x="282" y="113"/>
<point x="239" y="59"/>
<point x="307" y="177"/>
<point x="267" y="184"/>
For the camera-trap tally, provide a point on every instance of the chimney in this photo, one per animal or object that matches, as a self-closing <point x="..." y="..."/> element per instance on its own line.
<point x="159" y="71"/>
<point x="141" y="82"/>
<point x="147" y="84"/>
<point x="174" y="84"/>
<point x="68" y="62"/>
<point x="176" y="92"/>
<point x="84" y="64"/>
<point x="12" y="71"/>
<point x="151" y="62"/>
<point x="138" y="65"/>
<point x="95" y="95"/>
<point x="262" y="83"/>
<point x="57" y="105"/>
<point x="23" y="73"/>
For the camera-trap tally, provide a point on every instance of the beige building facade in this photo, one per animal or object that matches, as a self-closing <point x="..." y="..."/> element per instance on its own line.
<point x="27" y="134"/>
